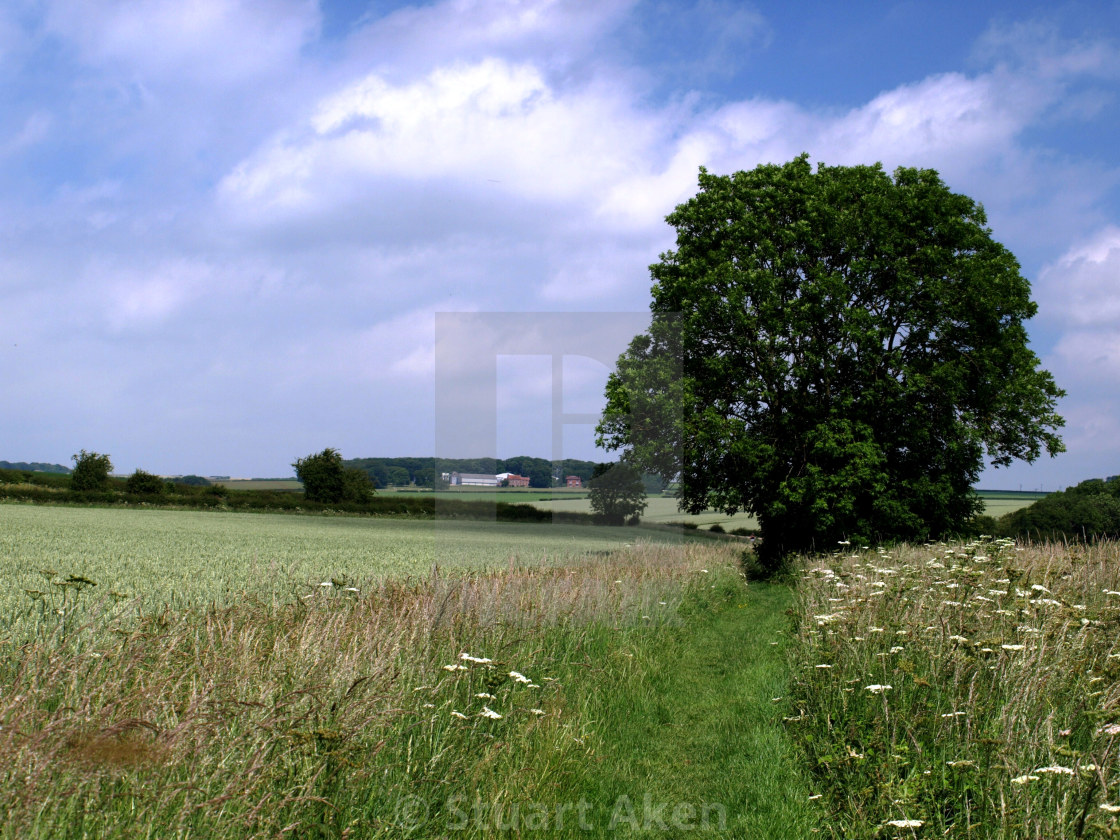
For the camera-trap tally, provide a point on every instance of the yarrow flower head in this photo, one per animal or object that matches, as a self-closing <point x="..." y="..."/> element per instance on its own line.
<point x="519" y="677"/>
<point x="906" y="823"/>
<point x="879" y="689"/>
<point x="487" y="712"/>
<point x="478" y="660"/>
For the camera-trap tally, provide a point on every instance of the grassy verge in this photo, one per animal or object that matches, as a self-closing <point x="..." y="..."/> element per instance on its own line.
<point x="962" y="690"/>
<point x="573" y="700"/>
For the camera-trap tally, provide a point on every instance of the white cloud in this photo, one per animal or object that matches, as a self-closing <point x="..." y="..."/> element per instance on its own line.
<point x="33" y="131"/>
<point x="560" y="35"/>
<point x="1082" y="289"/>
<point x="205" y="41"/>
<point x="491" y="125"/>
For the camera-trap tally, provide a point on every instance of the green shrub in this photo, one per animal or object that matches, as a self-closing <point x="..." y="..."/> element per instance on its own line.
<point x="91" y="471"/>
<point x="142" y="483"/>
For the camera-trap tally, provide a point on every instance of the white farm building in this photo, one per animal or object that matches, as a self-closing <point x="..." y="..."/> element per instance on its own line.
<point x="473" y="480"/>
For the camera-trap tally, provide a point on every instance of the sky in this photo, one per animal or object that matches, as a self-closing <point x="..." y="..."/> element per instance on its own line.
<point x="236" y="232"/>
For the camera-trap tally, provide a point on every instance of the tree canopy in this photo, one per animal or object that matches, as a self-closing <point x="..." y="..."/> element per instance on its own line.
<point x="618" y="494"/>
<point x="326" y="479"/>
<point x="835" y="351"/>
<point x="91" y="471"/>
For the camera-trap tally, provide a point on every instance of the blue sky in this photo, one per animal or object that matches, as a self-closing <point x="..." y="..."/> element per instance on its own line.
<point x="226" y="227"/>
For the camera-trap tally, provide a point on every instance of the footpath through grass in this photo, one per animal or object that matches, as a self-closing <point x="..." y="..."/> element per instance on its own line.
<point x="694" y="741"/>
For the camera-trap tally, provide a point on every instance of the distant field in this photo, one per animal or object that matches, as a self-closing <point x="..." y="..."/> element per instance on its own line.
<point x="261" y="484"/>
<point x="182" y="558"/>
<point x="661" y="509"/>
<point x="999" y="502"/>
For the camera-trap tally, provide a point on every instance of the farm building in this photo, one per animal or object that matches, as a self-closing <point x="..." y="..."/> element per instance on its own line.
<point x="513" y="480"/>
<point x="473" y="480"/>
<point x="574" y="481"/>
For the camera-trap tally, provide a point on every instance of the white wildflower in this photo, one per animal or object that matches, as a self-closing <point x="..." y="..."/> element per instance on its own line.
<point x="1109" y="729"/>
<point x="454" y="667"/>
<point x="1112" y="809"/>
<point x="906" y="823"/>
<point x="1022" y="780"/>
<point x="1038" y="587"/>
<point x="482" y="695"/>
<point x="879" y="689"/>
<point x="1055" y="769"/>
<point x="1012" y="647"/>
<point x="823" y="666"/>
<point x="487" y="712"/>
<point x="479" y="660"/>
<point x="537" y="712"/>
<point x="519" y="677"/>
<point x="459" y="715"/>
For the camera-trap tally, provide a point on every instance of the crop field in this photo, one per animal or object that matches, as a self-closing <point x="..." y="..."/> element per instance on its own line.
<point x="184" y="558"/>
<point x="659" y="510"/>
<point x="261" y="483"/>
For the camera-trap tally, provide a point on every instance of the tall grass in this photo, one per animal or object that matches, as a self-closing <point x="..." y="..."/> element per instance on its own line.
<point x="391" y="711"/>
<point x="968" y="690"/>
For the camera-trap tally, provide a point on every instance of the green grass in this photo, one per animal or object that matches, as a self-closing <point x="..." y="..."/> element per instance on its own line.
<point x="696" y="726"/>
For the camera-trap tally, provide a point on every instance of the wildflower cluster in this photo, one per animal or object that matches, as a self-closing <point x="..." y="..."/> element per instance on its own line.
<point x="952" y="686"/>
<point x="478" y="678"/>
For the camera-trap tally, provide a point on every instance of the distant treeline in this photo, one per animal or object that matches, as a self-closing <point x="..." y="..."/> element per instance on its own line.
<point x="47" y="488"/>
<point x="34" y="467"/>
<point x="1088" y="511"/>
<point x="426" y="472"/>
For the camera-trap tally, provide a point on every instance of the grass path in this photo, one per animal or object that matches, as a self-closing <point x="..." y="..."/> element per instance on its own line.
<point x="693" y="740"/>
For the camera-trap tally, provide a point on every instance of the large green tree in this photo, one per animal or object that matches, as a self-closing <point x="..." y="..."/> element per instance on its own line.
<point x="835" y="351"/>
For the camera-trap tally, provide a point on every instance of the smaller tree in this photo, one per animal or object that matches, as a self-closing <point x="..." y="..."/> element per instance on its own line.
<point x="91" y="471"/>
<point x="143" y="483"/>
<point x="326" y="480"/>
<point x="617" y="493"/>
<point x="356" y="486"/>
